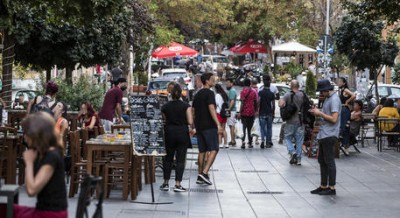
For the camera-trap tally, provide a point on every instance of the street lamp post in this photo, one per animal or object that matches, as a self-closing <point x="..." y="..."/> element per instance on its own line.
<point x="326" y="39"/>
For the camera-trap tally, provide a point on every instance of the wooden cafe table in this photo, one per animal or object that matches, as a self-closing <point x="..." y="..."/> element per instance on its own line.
<point x="103" y="143"/>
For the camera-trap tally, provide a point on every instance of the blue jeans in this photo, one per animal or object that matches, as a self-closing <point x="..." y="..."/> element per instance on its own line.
<point x="266" y="127"/>
<point x="295" y="131"/>
<point x="344" y="127"/>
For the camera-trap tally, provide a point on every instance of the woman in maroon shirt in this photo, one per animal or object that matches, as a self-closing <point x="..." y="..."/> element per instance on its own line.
<point x="88" y="118"/>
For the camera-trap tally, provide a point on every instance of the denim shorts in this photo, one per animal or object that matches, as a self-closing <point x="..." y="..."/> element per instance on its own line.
<point x="208" y="140"/>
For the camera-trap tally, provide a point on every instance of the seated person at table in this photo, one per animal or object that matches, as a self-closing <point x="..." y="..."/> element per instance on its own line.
<point x="379" y="106"/>
<point x="390" y="111"/>
<point x="44" y="171"/>
<point x="60" y="115"/>
<point x="355" y="121"/>
<point x="88" y="118"/>
<point x="21" y="104"/>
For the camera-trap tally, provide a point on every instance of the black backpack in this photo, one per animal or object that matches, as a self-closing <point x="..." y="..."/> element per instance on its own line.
<point x="43" y="106"/>
<point x="305" y="116"/>
<point x="225" y="112"/>
<point x="289" y="110"/>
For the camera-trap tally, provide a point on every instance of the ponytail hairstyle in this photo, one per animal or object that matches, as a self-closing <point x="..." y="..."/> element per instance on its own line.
<point x="176" y="92"/>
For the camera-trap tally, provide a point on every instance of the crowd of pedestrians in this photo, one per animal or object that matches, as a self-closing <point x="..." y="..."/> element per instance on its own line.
<point x="214" y="110"/>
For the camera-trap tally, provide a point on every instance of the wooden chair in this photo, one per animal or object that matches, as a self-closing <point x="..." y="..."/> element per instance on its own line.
<point x="78" y="166"/>
<point x="4" y="132"/>
<point x="120" y="127"/>
<point x="385" y="126"/>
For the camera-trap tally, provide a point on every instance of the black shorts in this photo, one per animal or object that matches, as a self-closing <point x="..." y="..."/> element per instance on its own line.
<point x="207" y="140"/>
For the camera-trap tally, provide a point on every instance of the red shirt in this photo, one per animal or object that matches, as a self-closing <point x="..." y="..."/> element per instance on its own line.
<point x="113" y="96"/>
<point x="248" y="96"/>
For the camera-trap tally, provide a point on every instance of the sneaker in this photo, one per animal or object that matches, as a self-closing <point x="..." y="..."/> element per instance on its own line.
<point x="298" y="163"/>
<point x="179" y="189"/>
<point x="327" y="191"/>
<point x="221" y="146"/>
<point x="262" y="144"/>
<point x="293" y="159"/>
<point x="243" y="146"/>
<point x="269" y="144"/>
<point x="205" y="178"/>
<point x="346" y="151"/>
<point x="317" y="190"/>
<point x="250" y="145"/>
<point x="280" y="142"/>
<point x="226" y="146"/>
<point x="164" y="187"/>
<point x="199" y="180"/>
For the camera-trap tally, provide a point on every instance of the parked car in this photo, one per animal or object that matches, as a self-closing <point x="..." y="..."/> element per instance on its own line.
<point x="215" y="59"/>
<point x="159" y="86"/>
<point x="177" y="72"/>
<point x="28" y="95"/>
<point x="384" y="90"/>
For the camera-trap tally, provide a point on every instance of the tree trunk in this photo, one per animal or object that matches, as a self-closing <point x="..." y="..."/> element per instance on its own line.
<point x="125" y="59"/>
<point x="8" y="60"/>
<point x="48" y="74"/>
<point x="68" y="75"/>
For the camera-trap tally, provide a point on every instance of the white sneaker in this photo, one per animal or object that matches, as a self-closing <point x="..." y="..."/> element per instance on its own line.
<point x="346" y="151"/>
<point x="226" y="146"/>
<point x="221" y="146"/>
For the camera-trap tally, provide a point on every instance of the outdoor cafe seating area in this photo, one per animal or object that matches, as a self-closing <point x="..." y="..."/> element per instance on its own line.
<point x="112" y="155"/>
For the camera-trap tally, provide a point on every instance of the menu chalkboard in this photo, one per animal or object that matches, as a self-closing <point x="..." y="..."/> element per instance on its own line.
<point x="147" y="126"/>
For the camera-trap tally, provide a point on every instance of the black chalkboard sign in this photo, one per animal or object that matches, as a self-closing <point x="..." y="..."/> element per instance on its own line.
<point x="147" y="126"/>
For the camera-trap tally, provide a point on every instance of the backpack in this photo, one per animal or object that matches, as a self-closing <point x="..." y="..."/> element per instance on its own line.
<point x="289" y="110"/>
<point x="43" y="106"/>
<point x="225" y="112"/>
<point x="305" y="116"/>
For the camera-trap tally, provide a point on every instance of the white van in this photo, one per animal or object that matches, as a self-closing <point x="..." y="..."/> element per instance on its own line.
<point x="215" y="59"/>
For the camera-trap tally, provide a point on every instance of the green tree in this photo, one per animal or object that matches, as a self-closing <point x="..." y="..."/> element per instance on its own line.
<point x="375" y="9"/>
<point x="362" y="43"/>
<point x="311" y="84"/>
<point x="396" y="74"/>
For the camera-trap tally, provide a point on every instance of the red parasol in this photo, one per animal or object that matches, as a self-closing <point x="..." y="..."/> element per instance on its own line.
<point x="249" y="47"/>
<point x="174" y="49"/>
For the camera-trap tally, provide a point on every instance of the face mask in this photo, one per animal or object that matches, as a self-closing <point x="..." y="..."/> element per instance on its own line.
<point x="123" y="88"/>
<point x="228" y="88"/>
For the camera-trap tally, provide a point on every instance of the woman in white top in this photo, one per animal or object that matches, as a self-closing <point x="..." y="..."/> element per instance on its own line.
<point x="220" y="98"/>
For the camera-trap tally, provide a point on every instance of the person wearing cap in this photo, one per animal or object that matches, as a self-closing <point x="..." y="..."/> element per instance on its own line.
<point x="327" y="137"/>
<point x="112" y="105"/>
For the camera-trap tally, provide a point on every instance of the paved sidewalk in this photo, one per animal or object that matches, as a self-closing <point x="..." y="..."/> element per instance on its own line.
<point x="261" y="183"/>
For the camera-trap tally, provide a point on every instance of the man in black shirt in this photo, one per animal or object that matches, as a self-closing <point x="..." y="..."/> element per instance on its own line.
<point x="207" y="127"/>
<point x="266" y="99"/>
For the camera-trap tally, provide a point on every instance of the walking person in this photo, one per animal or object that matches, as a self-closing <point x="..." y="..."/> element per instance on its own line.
<point x="346" y="97"/>
<point x="207" y="127"/>
<point x="179" y="122"/>
<point x="294" y="128"/>
<point x="112" y="105"/>
<point x="255" y="130"/>
<point x="266" y="112"/>
<point x="231" y="121"/>
<point x="220" y="98"/>
<point x="327" y="137"/>
<point x="247" y="112"/>
<point x="44" y="171"/>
